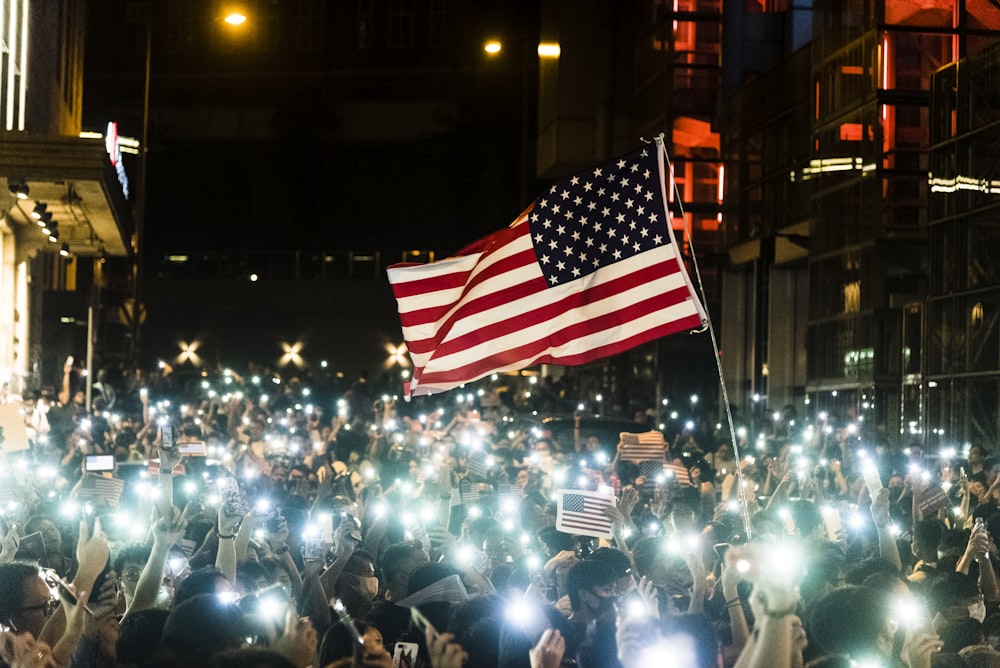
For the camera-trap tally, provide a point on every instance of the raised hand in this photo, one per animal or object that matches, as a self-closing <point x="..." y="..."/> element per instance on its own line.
<point x="548" y="653"/>
<point x="92" y="553"/>
<point x="444" y="651"/>
<point x="23" y="651"/>
<point x="298" y="641"/>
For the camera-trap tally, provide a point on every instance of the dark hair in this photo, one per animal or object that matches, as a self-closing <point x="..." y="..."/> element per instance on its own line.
<point x="959" y="633"/>
<point x="950" y="588"/>
<point x="132" y="553"/>
<point x="203" y="625"/>
<point x="393" y="556"/>
<point x="201" y="581"/>
<point x="587" y="574"/>
<point x="139" y="636"/>
<point x="848" y="621"/>
<point x="251" y="657"/>
<point x="806" y="516"/>
<point x="13" y="575"/>
<point x="248" y="572"/>
<point x="428" y="574"/>
<point x="615" y="558"/>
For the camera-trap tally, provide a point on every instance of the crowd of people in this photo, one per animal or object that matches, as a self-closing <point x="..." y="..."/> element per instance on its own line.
<point x="232" y="528"/>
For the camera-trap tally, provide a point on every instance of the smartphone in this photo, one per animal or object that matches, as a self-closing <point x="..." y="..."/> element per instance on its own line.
<point x="69" y="360"/>
<point x="52" y="578"/>
<point x="404" y="654"/>
<point x="167" y="436"/>
<point x="31" y="547"/>
<point x="99" y="463"/>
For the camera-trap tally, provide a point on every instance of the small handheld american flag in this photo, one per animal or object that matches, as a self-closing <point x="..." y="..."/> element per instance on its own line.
<point x="581" y="512"/>
<point x="641" y="447"/>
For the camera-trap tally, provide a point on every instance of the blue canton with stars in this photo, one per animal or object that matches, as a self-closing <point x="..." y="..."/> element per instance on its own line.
<point x="600" y="217"/>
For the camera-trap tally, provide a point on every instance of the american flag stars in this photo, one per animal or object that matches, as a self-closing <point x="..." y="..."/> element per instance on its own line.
<point x="583" y="224"/>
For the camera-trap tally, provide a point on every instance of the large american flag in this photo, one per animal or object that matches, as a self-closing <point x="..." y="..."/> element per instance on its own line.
<point x="590" y="269"/>
<point x="581" y="512"/>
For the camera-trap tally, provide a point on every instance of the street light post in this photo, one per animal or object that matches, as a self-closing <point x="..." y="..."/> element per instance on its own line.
<point x="140" y="204"/>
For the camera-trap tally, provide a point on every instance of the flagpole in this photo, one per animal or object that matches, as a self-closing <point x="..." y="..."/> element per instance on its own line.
<point x="659" y="139"/>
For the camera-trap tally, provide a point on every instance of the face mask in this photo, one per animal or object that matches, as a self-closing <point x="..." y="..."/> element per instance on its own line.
<point x="977" y="611"/>
<point x="369" y="585"/>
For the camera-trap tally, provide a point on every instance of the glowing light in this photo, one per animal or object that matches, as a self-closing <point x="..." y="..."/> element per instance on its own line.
<point x="397" y="355"/>
<point x="292" y="354"/>
<point x="189" y="353"/>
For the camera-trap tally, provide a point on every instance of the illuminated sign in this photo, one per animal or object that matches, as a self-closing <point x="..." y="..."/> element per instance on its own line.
<point x="114" y="149"/>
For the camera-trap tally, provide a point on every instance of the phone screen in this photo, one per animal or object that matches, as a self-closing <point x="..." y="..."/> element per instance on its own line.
<point x="99" y="463"/>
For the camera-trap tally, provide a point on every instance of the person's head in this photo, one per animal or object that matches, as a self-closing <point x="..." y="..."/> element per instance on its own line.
<point x="359" y="572"/>
<point x="977" y="453"/>
<point x="278" y="572"/>
<point x="251" y="577"/>
<point x="619" y="563"/>
<point x="207" y="580"/>
<point x="807" y="518"/>
<point x="955" y="596"/>
<point x="959" y="634"/>
<point x="139" y="636"/>
<point x="203" y="625"/>
<point x="399" y="561"/>
<point x="980" y="656"/>
<point x="926" y="538"/>
<point x="853" y="621"/>
<point x="26" y="602"/>
<point x="495" y="546"/>
<point x="128" y="565"/>
<point x="591" y="587"/>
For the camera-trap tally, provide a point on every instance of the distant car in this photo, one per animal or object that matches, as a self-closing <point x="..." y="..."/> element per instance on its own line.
<point x="607" y="430"/>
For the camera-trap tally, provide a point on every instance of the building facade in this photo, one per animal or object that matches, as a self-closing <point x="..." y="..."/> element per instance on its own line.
<point x="64" y="216"/>
<point x="827" y="219"/>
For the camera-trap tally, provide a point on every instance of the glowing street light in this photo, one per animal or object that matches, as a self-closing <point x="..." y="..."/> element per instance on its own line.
<point x="493" y="46"/>
<point x="397" y="355"/>
<point x="235" y="18"/>
<point x="291" y="355"/>
<point x="189" y="353"/>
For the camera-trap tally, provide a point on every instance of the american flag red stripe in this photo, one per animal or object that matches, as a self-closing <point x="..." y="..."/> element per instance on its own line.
<point x="582" y="513"/>
<point x="527" y="294"/>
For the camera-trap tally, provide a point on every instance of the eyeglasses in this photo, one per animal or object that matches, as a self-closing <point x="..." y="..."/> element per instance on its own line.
<point x="132" y="574"/>
<point x="47" y="608"/>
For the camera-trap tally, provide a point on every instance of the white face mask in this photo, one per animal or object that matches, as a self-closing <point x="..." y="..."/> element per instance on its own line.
<point x="369" y="585"/>
<point x="977" y="611"/>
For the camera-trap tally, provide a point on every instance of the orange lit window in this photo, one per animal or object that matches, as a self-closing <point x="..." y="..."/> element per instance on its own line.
<point x="852" y="69"/>
<point x="851" y="131"/>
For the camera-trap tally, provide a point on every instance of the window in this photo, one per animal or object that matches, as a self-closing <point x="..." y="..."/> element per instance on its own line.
<point x="311" y="20"/>
<point x="402" y="15"/>
<point x="437" y="23"/>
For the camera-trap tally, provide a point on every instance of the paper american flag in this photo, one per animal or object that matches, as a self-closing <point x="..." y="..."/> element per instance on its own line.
<point x="99" y="488"/>
<point x="590" y="269"/>
<point x="679" y="472"/>
<point x="641" y="447"/>
<point x="581" y="513"/>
